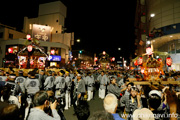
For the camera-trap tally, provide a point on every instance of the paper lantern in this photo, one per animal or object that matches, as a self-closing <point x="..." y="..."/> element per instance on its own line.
<point x="52" y="52"/>
<point x="140" y="61"/>
<point x="149" y="51"/>
<point x="10" y="50"/>
<point x="136" y="63"/>
<point x="31" y="62"/>
<point x="95" y="59"/>
<point x="168" y="61"/>
<point x="29" y="48"/>
<point x="113" y="59"/>
<point x="28" y="37"/>
<point x="159" y="59"/>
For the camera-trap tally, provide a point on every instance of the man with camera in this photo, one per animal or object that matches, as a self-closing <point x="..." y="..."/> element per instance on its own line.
<point x="41" y="103"/>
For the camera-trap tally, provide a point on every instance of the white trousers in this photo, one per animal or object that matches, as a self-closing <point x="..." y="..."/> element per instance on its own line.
<point x="68" y="100"/>
<point x="101" y="93"/>
<point x="90" y="95"/>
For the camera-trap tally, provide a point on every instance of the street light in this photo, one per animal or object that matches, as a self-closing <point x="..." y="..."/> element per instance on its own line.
<point x="119" y="48"/>
<point x="152" y="15"/>
<point x="78" y="40"/>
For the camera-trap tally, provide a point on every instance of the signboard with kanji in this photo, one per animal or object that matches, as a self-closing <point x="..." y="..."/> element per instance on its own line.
<point x="41" y="32"/>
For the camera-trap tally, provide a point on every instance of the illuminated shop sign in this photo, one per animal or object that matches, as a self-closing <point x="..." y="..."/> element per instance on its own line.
<point x="54" y="58"/>
<point x="41" y="32"/>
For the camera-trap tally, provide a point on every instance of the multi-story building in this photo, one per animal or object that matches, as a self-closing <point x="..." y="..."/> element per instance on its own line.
<point x="162" y="29"/>
<point x="51" y="17"/>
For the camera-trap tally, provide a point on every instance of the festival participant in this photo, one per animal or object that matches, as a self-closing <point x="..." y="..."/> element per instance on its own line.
<point x="42" y="77"/>
<point x="131" y="102"/>
<point x="79" y="90"/>
<point x="2" y="75"/>
<point x="15" y="88"/>
<point x="114" y="89"/>
<point x="129" y="85"/>
<point x="68" y="81"/>
<point x="60" y="88"/>
<point x="32" y="84"/>
<point x="49" y="81"/>
<point x="103" y="83"/>
<point x="89" y="80"/>
<point x="21" y="80"/>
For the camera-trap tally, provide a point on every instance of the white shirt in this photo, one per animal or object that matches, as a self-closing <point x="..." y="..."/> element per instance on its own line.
<point x="12" y="100"/>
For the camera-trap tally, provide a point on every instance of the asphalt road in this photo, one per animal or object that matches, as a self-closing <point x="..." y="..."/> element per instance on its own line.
<point x="95" y="105"/>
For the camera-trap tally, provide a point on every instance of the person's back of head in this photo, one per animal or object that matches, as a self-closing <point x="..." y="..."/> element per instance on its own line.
<point x="10" y="112"/>
<point x="154" y="99"/>
<point x="82" y="110"/>
<point x="32" y="73"/>
<point x="101" y="115"/>
<point x="110" y="103"/>
<point x="143" y="114"/>
<point x="6" y="92"/>
<point x="40" y="98"/>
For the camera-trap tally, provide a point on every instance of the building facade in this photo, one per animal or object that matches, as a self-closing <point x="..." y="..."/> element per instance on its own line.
<point x="52" y="16"/>
<point x="163" y="29"/>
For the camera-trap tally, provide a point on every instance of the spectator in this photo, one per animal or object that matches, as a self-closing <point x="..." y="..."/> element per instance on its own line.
<point x="143" y="114"/>
<point x="101" y="115"/>
<point x="58" y="108"/>
<point x="110" y="105"/>
<point x="8" y="98"/>
<point x="10" y="112"/>
<point x="41" y="103"/>
<point x="156" y="106"/>
<point x="82" y="110"/>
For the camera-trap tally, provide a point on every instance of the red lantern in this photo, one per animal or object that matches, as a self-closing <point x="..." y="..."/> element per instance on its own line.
<point x="113" y="59"/>
<point x="140" y="61"/>
<point x="29" y="48"/>
<point x="149" y="51"/>
<point x="169" y="61"/>
<point x="10" y="50"/>
<point x="136" y="63"/>
<point x="159" y="59"/>
<point x="95" y="59"/>
<point x="52" y="52"/>
<point x="31" y="62"/>
<point x="28" y="37"/>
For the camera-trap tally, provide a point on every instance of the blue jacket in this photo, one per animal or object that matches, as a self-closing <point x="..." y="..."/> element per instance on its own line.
<point x="117" y="117"/>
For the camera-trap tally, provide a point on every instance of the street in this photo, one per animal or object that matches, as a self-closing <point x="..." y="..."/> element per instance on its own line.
<point x="95" y="105"/>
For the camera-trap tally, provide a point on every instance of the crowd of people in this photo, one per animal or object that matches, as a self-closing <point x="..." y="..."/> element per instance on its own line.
<point x="46" y="94"/>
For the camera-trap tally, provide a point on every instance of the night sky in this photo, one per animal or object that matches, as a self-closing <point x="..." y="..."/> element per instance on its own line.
<point x="100" y="25"/>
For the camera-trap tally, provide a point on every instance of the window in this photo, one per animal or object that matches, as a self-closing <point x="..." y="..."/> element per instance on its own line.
<point x="10" y="36"/>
